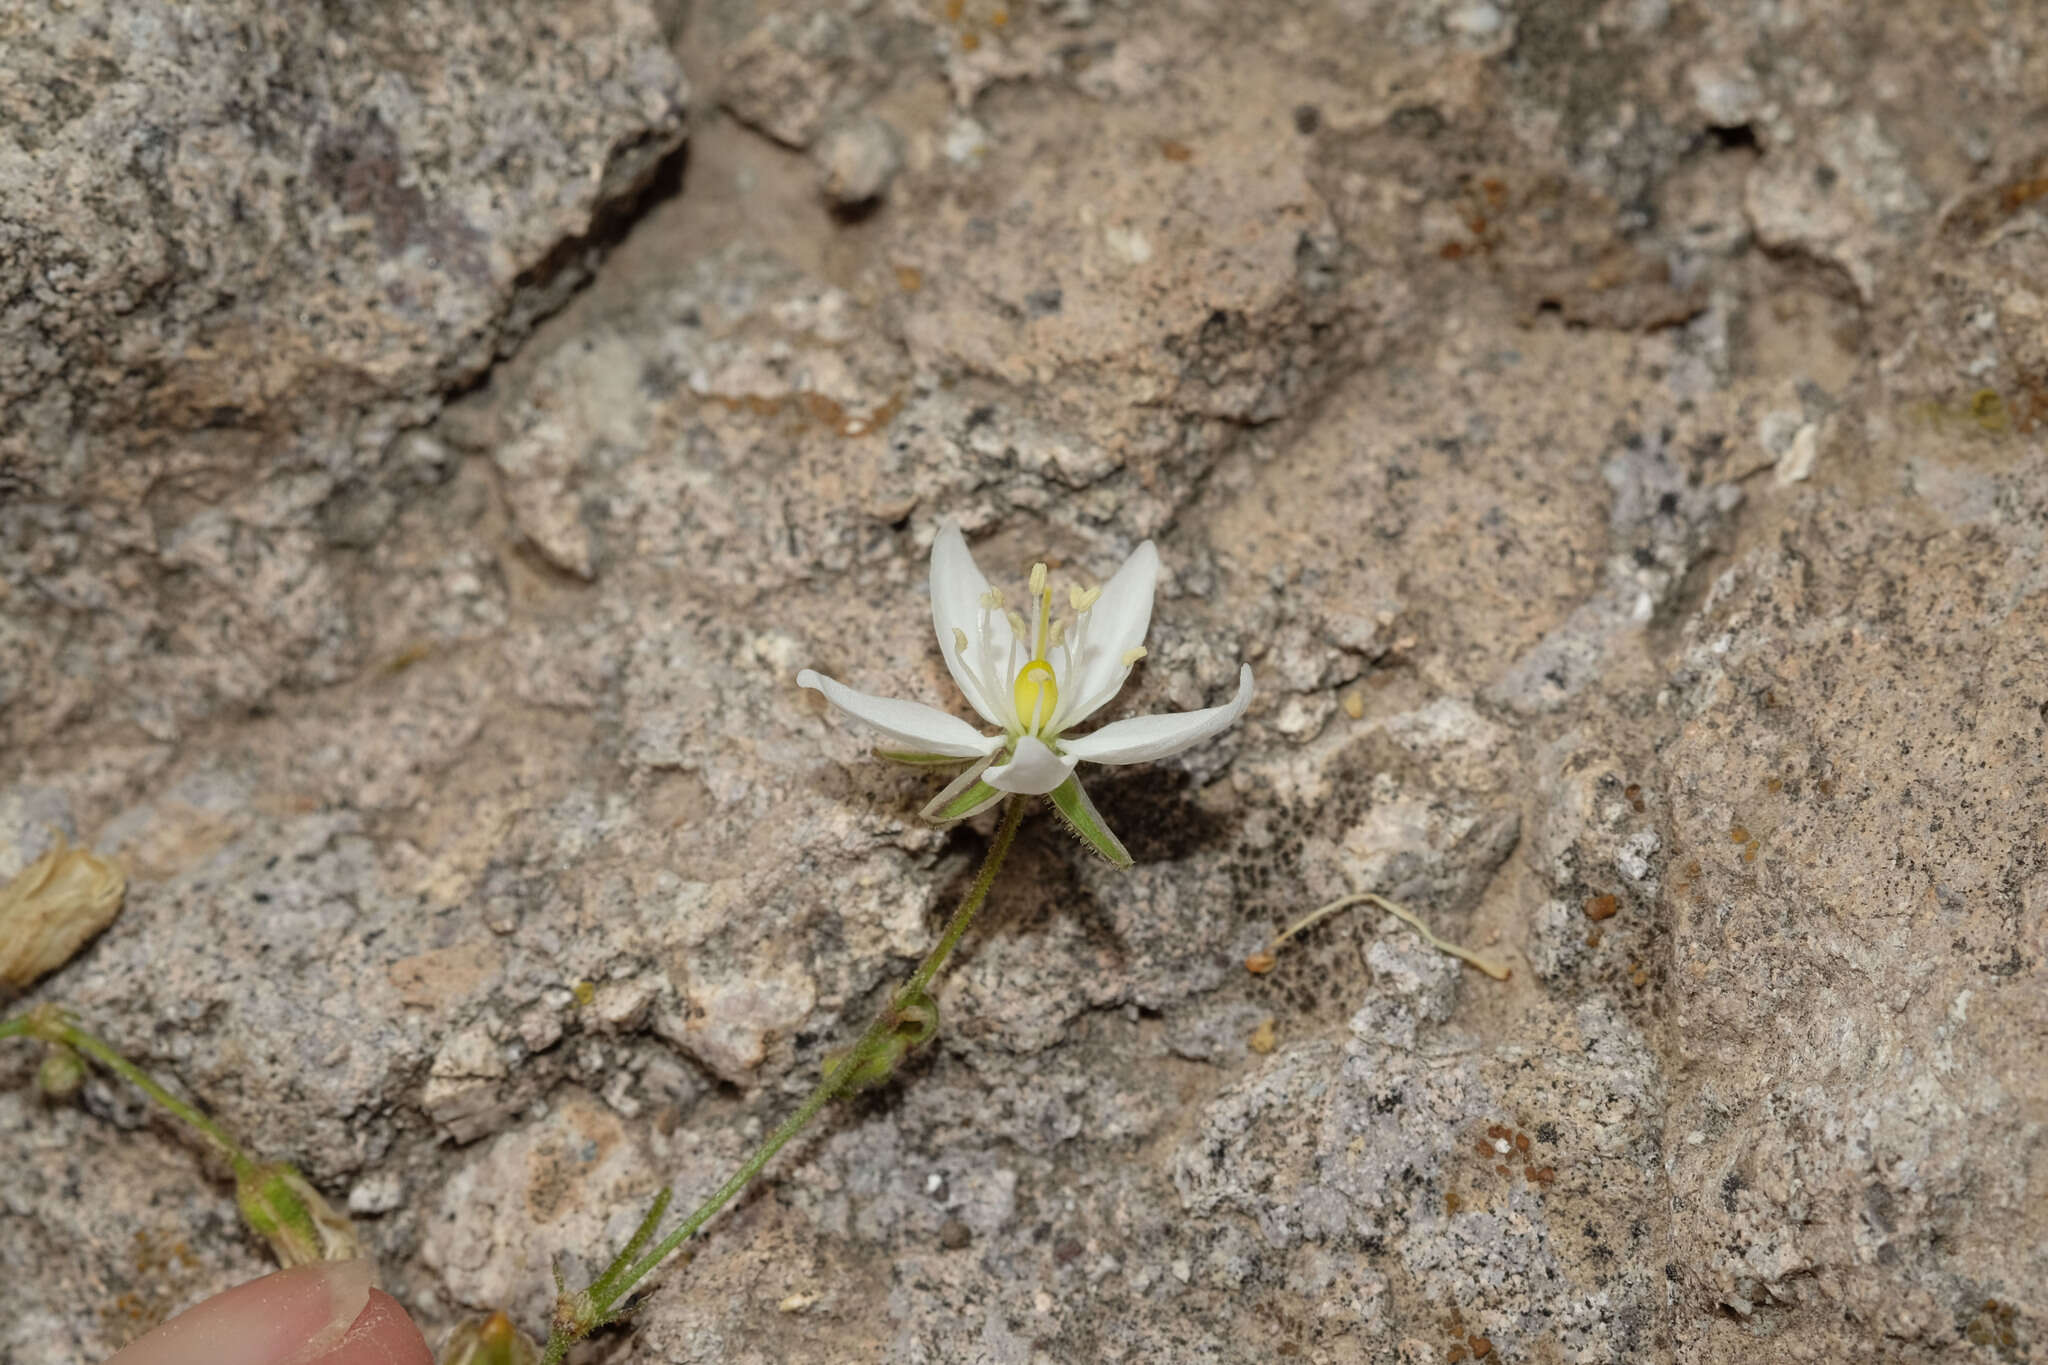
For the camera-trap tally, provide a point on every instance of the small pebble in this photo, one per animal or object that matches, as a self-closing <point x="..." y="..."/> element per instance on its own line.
<point x="857" y="160"/>
<point x="1479" y="20"/>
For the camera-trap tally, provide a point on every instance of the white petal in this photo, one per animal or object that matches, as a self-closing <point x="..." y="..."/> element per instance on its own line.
<point x="1144" y="738"/>
<point x="910" y="723"/>
<point x="1115" y="626"/>
<point x="1033" y="770"/>
<point x="957" y="587"/>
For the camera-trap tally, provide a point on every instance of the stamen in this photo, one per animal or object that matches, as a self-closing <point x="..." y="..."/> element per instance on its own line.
<point x="1037" y="579"/>
<point x="993" y="599"/>
<point x="1077" y="645"/>
<point x="1080" y="599"/>
<point x="1059" y="634"/>
<point x="1042" y="640"/>
<point x="1016" y="623"/>
<point x="960" y="642"/>
<point x="1132" y="656"/>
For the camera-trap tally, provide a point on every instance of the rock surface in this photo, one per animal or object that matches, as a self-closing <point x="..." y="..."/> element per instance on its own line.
<point x="1613" y="433"/>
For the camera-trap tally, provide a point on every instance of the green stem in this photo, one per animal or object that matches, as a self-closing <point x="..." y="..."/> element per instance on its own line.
<point x="50" y="1025"/>
<point x="578" y="1315"/>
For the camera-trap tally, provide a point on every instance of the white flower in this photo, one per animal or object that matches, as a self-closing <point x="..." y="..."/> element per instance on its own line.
<point x="1034" y="680"/>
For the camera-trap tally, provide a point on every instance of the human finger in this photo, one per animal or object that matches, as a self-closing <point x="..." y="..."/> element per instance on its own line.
<point x="294" y="1317"/>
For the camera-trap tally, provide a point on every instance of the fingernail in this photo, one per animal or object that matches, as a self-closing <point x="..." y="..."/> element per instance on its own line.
<point x="346" y="1285"/>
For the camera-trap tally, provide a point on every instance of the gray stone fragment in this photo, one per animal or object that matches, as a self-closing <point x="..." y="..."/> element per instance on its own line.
<point x="786" y="75"/>
<point x="32" y="819"/>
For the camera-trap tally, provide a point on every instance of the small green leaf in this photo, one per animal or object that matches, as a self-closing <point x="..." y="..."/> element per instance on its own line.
<point x="916" y="760"/>
<point x="1081" y="816"/>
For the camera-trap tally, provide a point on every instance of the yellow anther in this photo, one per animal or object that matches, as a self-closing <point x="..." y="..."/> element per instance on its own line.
<point x="1132" y="656"/>
<point x="1037" y="579"/>
<point x="1037" y="694"/>
<point x="1059" y="633"/>
<point x="1080" y="599"/>
<point x="1016" y="623"/>
<point x="992" y="600"/>
<point x="959" y="640"/>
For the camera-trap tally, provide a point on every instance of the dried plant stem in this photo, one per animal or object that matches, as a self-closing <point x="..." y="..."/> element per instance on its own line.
<point x="1263" y="962"/>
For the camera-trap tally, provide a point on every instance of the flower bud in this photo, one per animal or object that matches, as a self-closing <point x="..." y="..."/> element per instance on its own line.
<point x="488" y="1341"/>
<point x="917" y="1019"/>
<point x="61" y="1073"/>
<point x="874" y="1068"/>
<point x="286" y="1211"/>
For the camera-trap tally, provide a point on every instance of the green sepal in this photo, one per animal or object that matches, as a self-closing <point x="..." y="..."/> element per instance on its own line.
<point x="917" y="760"/>
<point x="282" y="1207"/>
<point x="917" y="1019"/>
<point x="974" y="800"/>
<point x="965" y="795"/>
<point x="1081" y="817"/>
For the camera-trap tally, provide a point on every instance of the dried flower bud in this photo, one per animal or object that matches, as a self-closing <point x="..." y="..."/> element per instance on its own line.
<point x="286" y="1211"/>
<point x="49" y="912"/>
<point x="917" y="1018"/>
<point x="488" y="1341"/>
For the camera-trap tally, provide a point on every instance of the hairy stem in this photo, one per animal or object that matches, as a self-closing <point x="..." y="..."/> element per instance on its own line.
<point x="577" y="1315"/>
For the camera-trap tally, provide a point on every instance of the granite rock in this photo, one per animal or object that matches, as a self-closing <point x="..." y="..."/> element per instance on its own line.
<point x="1611" y="433"/>
<point x="255" y="249"/>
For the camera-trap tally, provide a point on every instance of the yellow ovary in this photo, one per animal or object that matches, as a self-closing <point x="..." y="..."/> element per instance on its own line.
<point x="1037" y="694"/>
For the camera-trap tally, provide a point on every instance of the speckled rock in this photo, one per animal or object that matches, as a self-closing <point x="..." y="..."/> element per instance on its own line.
<point x="789" y="71"/>
<point x="1611" y="433"/>
<point x="254" y="248"/>
<point x="1858" y="784"/>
